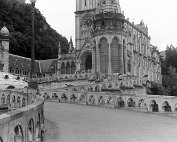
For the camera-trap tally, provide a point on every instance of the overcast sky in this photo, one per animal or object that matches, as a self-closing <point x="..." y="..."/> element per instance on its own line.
<point x="159" y="15"/>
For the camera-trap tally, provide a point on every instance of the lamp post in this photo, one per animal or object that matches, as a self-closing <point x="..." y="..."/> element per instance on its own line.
<point x="32" y="47"/>
<point x="105" y="63"/>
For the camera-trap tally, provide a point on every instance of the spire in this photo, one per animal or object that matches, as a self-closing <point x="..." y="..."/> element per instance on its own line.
<point x="71" y="48"/>
<point x="59" y="48"/>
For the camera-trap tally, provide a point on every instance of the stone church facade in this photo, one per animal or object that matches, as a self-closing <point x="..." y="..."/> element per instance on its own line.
<point x="108" y="43"/>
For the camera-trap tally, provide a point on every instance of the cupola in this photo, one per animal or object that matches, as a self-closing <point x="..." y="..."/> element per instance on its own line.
<point x="4" y="32"/>
<point x="108" y="16"/>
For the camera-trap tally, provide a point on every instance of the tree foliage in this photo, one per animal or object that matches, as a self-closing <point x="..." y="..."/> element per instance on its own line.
<point x="169" y="66"/>
<point x="18" y="17"/>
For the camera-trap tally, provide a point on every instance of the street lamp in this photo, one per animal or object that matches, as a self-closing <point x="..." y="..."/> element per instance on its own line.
<point x="32" y="47"/>
<point x="105" y="63"/>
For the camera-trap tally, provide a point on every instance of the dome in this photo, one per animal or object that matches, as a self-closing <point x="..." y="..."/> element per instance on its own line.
<point x="4" y="31"/>
<point x="108" y="6"/>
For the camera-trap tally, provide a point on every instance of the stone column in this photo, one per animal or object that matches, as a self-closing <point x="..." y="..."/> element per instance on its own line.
<point x="109" y="59"/>
<point x="94" y="60"/>
<point x="121" y="63"/>
<point x="125" y="59"/>
<point x="97" y="57"/>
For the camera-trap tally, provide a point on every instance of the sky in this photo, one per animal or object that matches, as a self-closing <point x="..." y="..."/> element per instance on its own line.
<point x="159" y="15"/>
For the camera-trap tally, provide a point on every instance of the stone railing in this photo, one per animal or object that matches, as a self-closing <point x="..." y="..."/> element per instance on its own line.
<point x="22" y="123"/>
<point x="66" y="77"/>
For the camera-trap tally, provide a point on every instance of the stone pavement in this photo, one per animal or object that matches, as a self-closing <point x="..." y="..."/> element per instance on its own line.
<point x="77" y="123"/>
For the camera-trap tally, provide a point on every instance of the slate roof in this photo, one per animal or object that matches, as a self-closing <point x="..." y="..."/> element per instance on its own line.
<point x="22" y="63"/>
<point x="48" y="66"/>
<point x="41" y="66"/>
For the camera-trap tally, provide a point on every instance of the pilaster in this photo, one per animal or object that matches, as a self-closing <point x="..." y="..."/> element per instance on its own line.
<point x="121" y="58"/>
<point x="125" y="59"/>
<point x="109" y="61"/>
<point x="97" y="56"/>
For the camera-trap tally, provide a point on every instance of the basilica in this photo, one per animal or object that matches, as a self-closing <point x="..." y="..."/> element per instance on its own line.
<point x="108" y="43"/>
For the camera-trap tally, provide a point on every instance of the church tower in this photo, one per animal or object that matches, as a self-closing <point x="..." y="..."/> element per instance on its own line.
<point x="84" y="13"/>
<point x="4" y="49"/>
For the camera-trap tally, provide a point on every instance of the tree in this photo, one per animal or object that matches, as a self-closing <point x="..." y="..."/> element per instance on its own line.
<point x="170" y="81"/>
<point x="17" y="17"/>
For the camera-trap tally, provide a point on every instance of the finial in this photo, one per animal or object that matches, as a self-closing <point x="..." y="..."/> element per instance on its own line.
<point x="59" y="48"/>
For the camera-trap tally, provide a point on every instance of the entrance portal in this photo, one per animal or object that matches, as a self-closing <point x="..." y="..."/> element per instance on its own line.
<point x="88" y="63"/>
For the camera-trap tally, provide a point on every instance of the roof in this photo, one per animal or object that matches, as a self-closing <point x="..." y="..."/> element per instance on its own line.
<point x="22" y="63"/>
<point x="48" y="66"/>
<point x="4" y="31"/>
<point x="41" y="66"/>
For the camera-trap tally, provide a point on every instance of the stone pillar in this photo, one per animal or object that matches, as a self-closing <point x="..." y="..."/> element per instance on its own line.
<point x="77" y="32"/>
<point x="109" y="59"/>
<point x="94" y="60"/>
<point x="97" y="57"/>
<point x="120" y="46"/>
<point x="125" y="59"/>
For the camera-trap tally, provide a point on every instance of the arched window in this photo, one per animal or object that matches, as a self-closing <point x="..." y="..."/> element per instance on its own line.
<point x="63" y="68"/>
<point x="68" y="68"/>
<point x="18" y="136"/>
<point x="38" y="126"/>
<point x="73" y="68"/>
<point x="31" y="130"/>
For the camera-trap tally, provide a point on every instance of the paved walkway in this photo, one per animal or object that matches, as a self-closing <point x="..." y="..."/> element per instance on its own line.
<point x="77" y="123"/>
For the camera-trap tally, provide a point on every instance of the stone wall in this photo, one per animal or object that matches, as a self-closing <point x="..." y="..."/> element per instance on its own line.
<point x="23" y="124"/>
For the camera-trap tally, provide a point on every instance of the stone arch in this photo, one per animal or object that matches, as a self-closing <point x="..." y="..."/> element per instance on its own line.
<point x="73" y="97"/>
<point x="86" y="61"/>
<point x="166" y="107"/>
<point x="104" y="55"/>
<point x="55" y="96"/>
<point x="64" y="97"/>
<point x="31" y="130"/>
<point x="63" y="68"/>
<point x="38" y="126"/>
<point x="18" y="102"/>
<point x="109" y="100"/>
<point x="100" y="100"/>
<point x="18" y="134"/>
<point x="73" y="67"/>
<point x="130" y="102"/>
<point x="115" y="55"/>
<point x="82" y="97"/>
<point x="154" y="106"/>
<point x="1" y="140"/>
<point x="120" y="102"/>
<point x="68" y="68"/>
<point x="141" y="103"/>
<point x="91" y="99"/>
